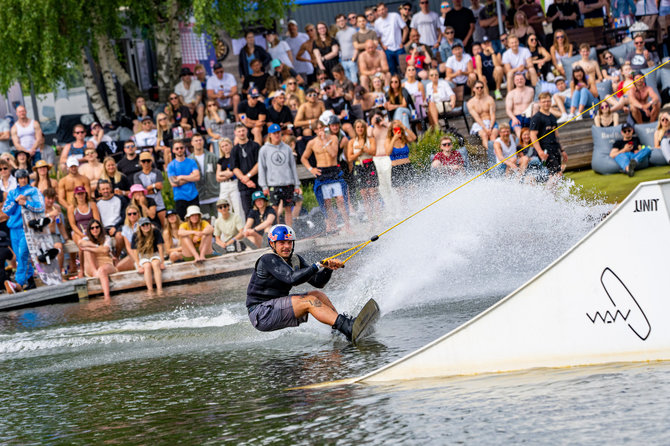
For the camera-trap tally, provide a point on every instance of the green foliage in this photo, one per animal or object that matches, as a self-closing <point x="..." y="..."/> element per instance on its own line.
<point x="426" y="145"/>
<point x="166" y="192"/>
<point x="308" y="198"/>
<point x="233" y="16"/>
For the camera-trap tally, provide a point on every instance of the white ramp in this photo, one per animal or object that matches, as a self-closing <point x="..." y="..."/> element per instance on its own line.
<point x="605" y="300"/>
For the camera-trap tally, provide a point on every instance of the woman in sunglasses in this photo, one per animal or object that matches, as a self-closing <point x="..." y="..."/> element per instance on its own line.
<point x="611" y="69"/>
<point x="561" y="49"/>
<point x="148" y="250"/>
<point x="97" y="249"/>
<point x="605" y="117"/>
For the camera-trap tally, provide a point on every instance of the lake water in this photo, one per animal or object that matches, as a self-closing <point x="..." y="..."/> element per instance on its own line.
<point x="189" y="367"/>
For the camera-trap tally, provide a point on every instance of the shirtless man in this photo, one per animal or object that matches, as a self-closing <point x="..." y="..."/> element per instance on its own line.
<point x="93" y="168"/>
<point x="482" y="107"/>
<point x="644" y="102"/>
<point x="26" y="133"/>
<point x="371" y="62"/>
<point x="517" y="102"/>
<point x="69" y="182"/>
<point x="590" y="67"/>
<point x="305" y="52"/>
<point x="328" y="175"/>
<point x="309" y="112"/>
<point x="76" y="148"/>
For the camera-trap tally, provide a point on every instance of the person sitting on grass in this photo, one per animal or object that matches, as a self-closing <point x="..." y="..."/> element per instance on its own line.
<point x="447" y="160"/>
<point x="195" y="235"/>
<point x="147" y="250"/>
<point x="628" y="152"/>
<point x="260" y="219"/>
<point x="97" y="250"/>
<point x="171" y="236"/>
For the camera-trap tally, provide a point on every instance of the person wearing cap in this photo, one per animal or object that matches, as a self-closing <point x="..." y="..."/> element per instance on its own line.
<point x="69" y="182"/>
<point x="152" y="181"/>
<point x="92" y="168"/>
<point x="459" y="67"/>
<point x="372" y="62"/>
<point x="259" y="220"/>
<point x="249" y="52"/>
<point x="190" y="94"/>
<point x="76" y="148"/>
<point x="228" y="225"/>
<point x="489" y="68"/>
<point x="42" y="179"/>
<point x="148" y="135"/>
<point x="183" y="174"/>
<point x="29" y="197"/>
<point x="146" y="205"/>
<point x="195" y="235"/>
<point x="295" y="39"/>
<point x="328" y="184"/>
<point x="27" y="134"/>
<point x="309" y="112"/>
<point x="223" y="87"/>
<point x="147" y="249"/>
<point x="339" y="106"/>
<point x="277" y="173"/>
<point x="628" y="152"/>
<point x="252" y="114"/>
<point x="278" y="113"/>
<point x="207" y="186"/>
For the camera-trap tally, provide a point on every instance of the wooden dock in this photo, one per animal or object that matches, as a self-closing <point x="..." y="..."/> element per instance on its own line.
<point x="69" y="290"/>
<point x="227" y="265"/>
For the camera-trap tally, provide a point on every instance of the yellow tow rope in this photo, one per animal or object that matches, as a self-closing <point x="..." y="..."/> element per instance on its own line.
<point x="358" y="248"/>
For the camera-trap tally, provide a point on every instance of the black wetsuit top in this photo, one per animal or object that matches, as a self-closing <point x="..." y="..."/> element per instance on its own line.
<point x="273" y="277"/>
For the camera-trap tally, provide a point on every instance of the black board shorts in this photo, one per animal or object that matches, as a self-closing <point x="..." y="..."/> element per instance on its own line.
<point x="275" y="314"/>
<point x="282" y="193"/>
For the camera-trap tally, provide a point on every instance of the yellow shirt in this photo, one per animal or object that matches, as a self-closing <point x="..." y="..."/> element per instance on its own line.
<point x="186" y="226"/>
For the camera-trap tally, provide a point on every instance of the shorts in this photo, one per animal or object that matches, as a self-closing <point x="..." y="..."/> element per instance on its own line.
<point x="282" y="193"/>
<point x="149" y="259"/>
<point x="365" y="174"/>
<point x="331" y="190"/>
<point x="275" y="314"/>
<point x="476" y="128"/>
<point x="523" y="122"/>
<point x="443" y="107"/>
<point x="402" y="175"/>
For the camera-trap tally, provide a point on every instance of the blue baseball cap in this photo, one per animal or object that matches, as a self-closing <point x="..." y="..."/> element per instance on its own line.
<point x="274" y="128"/>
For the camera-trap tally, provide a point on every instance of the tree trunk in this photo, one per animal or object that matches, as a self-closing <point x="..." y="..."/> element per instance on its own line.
<point x="108" y="79"/>
<point x="93" y="91"/>
<point x="168" y="51"/>
<point x="122" y="75"/>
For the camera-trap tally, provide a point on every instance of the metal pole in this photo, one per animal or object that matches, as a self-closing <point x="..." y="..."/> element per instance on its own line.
<point x="33" y="99"/>
<point x="501" y="30"/>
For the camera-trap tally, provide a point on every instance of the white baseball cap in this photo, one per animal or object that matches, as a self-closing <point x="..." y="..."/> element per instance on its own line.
<point x="72" y="161"/>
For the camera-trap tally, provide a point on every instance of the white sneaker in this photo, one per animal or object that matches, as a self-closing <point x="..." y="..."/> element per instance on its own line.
<point x="579" y="118"/>
<point x="564" y="118"/>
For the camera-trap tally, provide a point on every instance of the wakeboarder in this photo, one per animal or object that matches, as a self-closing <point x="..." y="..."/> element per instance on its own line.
<point x="269" y="302"/>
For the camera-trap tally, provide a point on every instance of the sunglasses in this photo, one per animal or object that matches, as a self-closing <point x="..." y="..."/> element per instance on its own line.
<point x="4" y="168"/>
<point x="478" y="88"/>
<point x="94" y="227"/>
<point x="162" y="119"/>
<point x="79" y="132"/>
<point x="178" y="148"/>
<point x="311" y="95"/>
<point x="627" y="131"/>
<point x="662" y="120"/>
<point x="173" y="98"/>
<point x="449" y="32"/>
<point x="444" y="144"/>
<point x="352" y="17"/>
<point x="131" y="213"/>
<point x="146" y="224"/>
<point x="145" y="161"/>
<point x="290" y="83"/>
<point x="221" y="206"/>
<point x="129" y="147"/>
<point x="560" y="37"/>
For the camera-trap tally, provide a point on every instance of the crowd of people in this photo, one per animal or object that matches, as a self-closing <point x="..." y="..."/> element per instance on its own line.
<point x="345" y="101"/>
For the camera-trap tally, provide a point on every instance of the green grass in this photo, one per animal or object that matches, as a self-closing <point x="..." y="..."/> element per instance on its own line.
<point x="613" y="188"/>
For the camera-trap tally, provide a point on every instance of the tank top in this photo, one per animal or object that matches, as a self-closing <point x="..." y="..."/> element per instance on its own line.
<point x="83" y="219"/>
<point x="364" y="156"/>
<point x="412" y="88"/>
<point x="507" y="150"/>
<point x="26" y="134"/>
<point x="77" y="152"/>
<point x="487" y="65"/>
<point x="400" y="153"/>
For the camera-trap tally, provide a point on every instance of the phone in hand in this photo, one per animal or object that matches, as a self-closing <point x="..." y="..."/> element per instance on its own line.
<point x="397" y="130"/>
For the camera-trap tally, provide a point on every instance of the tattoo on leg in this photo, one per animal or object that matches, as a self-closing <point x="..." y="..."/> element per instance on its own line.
<point x="312" y="302"/>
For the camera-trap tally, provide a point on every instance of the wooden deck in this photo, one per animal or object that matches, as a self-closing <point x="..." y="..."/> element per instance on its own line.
<point x="227" y="265"/>
<point x="69" y="290"/>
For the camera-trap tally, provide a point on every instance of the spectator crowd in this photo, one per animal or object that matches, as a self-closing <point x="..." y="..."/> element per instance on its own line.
<point x="345" y="101"/>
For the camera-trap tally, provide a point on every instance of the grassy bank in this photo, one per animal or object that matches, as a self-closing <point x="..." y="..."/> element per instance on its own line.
<point x="613" y="188"/>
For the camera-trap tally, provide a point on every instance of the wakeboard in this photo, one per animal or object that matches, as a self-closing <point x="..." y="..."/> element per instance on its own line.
<point x="41" y="246"/>
<point x="364" y="324"/>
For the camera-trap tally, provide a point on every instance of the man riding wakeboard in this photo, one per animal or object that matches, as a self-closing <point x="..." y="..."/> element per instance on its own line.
<point x="269" y="303"/>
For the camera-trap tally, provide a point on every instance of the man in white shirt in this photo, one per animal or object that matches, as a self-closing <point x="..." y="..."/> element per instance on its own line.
<point x="427" y="23"/>
<point x="348" y="54"/>
<point x="223" y="87"/>
<point x="459" y="67"/>
<point x="393" y="31"/>
<point x="518" y="60"/>
<point x="148" y="135"/>
<point x="295" y="39"/>
<point x="191" y="94"/>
